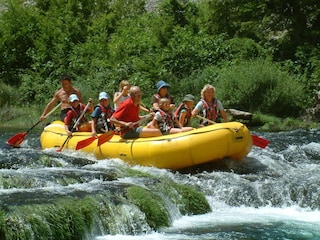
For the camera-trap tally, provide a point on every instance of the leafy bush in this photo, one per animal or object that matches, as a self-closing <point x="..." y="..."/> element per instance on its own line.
<point x="8" y="94"/>
<point x="244" y="49"/>
<point x="183" y="42"/>
<point x="260" y="86"/>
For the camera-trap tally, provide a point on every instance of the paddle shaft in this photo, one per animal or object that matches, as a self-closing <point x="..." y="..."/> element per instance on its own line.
<point x="55" y="108"/>
<point x="74" y="126"/>
<point x="48" y="114"/>
<point x="206" y="119"/>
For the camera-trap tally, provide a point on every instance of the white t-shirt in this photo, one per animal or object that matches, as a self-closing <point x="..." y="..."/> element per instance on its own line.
<point x="122" y="98"/>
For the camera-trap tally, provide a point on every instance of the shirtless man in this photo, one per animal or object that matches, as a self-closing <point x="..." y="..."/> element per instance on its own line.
<point x="62" y="95"/>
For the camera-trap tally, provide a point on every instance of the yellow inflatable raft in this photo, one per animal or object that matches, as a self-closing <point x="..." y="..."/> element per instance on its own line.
<point x="175" y="151"/>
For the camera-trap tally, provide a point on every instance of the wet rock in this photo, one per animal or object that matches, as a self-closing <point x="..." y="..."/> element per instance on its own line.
<point x="312" y="114"/>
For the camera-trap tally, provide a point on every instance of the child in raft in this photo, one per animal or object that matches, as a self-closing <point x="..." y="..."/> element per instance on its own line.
<point x="101" y="115"/>
<point x="165" y="120"/>
<point x="184" y="110"/>
<point x="74" y="112"/>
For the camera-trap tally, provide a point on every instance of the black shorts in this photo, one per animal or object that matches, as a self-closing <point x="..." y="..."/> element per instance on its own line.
<point x="63" y="114"/>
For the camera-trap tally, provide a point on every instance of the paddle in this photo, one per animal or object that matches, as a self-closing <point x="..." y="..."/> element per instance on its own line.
<point x="74" y="127"/>
<point x="17" y="139"/>
<point x="257" y="141"/>
<point x="106" y="137"/>
<point x="85" y="142"/>
<point x="102" y="138"/>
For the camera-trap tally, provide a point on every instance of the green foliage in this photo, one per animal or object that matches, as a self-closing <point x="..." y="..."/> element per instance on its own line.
<point x="306" y="68"/>
<point x="187" y="52"/>
<point x="132" y="49"/>
<point x="181" y="12"/>
<point x="2" y="223"/>
<point x="260" y="86"/>
<point x="33" y="88"/>
<point x="272" y="123"/>
<point x="240" y="49"/>
<point x="267" y="122"/>
<point x="8" y="94"/>
<point x="236" y="18"/>
<point x="18" y="29"/>
<point x="102" y="42"/>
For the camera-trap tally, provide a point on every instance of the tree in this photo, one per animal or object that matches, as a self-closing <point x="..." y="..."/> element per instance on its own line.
<point x="18" y="29"/>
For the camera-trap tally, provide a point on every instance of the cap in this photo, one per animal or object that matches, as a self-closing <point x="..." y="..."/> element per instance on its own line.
<point x="189" y="98"/>
<point x="73" y="97"/>
<point x="103" y="95"/>
<point x="162" y="84"/>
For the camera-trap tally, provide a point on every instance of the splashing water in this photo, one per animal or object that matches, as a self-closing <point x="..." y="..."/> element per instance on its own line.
<point x="273" y="193"/>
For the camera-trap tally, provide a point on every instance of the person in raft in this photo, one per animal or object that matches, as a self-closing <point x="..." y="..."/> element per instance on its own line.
<point x="162" y="92"/>
<point x="165" y="120"/>
<point x="124" y="94"/>
<point x="101" y="115"/>
<point x="62" y="96"/>
<point x="127" y="115"/>
<point x="74" y="111"/>
<point x="184" y="110"/>
<point x="209" y="106"/>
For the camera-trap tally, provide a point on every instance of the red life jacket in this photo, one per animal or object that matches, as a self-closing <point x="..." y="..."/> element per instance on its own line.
<point x="77" y="114"/>
<point x="188" y="116"/>
<point x="210" y="110"/>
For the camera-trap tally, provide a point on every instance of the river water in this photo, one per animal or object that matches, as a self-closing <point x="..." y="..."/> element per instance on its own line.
<point x="274" y="193"/>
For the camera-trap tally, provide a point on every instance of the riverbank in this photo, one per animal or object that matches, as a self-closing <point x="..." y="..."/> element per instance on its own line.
<point x="24" y="117"/>
<point x="18" y="117"/>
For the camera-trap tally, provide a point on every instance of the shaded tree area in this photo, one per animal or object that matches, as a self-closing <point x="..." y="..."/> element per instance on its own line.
<point x="187" y="43"/>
